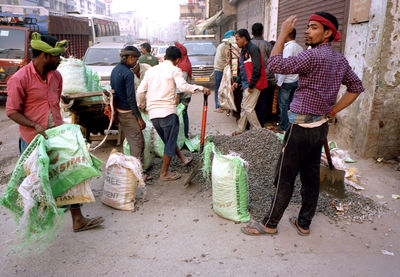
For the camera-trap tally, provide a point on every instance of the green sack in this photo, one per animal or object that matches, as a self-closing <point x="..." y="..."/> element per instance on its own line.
<point x="193" y="144"/>
<point x="70" y="161"/>
<point x="181" y="135"/>
<point x="30" y="193"/>
<point x="158" y="144"/>
<point x="147" y="155"/>
<point x="229" y="185"/>
<point x="89" y="75"/>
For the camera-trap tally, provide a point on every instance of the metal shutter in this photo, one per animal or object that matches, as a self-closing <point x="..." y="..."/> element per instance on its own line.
<point x="304" y="8"/>
<point x="248" y="13"/>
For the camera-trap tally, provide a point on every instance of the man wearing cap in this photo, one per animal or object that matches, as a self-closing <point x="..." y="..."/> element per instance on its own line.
<point x="128" y="115"/>
<point x="321" y="72"/>
<point x="33" y="100"/>
<point x="220" y="61"/>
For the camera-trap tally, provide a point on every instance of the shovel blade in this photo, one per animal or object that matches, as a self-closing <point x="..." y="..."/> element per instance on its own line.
<point x="332" y="181"/>
<point x="193" y="174"/>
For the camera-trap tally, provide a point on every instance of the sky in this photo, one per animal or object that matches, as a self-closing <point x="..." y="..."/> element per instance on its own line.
<point x="160" y="10"/>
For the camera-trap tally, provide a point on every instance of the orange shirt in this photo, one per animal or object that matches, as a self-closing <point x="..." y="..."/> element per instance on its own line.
<point x="30" y="95"/>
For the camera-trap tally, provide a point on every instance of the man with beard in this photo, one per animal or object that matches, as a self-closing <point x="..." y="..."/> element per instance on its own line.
<point x="321" y="73"/>
<point x="33" y="100"/>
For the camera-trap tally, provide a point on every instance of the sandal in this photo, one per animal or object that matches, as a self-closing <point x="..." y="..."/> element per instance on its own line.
<point x="300" y="231"/>
<point x="260" y="229"/>
<point x="90" y="224"/>
<point x="171" y="176"/>
<point x="235" y="133"/>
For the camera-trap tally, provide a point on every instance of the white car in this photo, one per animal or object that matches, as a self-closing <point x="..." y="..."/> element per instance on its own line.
<point x="159" y="52"/>
<point x="102" y="58"/>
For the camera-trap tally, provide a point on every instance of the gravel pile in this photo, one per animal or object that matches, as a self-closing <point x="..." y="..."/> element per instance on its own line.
<point x="261" y="148"/>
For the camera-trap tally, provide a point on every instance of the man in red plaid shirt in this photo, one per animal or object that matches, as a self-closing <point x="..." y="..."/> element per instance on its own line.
<point x="321" y="72"/>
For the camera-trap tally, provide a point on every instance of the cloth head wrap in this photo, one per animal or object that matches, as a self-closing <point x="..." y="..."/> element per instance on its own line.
<point x="184" y="62"/>
<point x="229" y="33"/>
<point x="38" y="44"/>
<point x="133" y="53"/>
<point x="335" y="33"/>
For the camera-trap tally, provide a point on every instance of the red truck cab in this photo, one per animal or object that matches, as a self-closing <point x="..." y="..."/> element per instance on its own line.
<point x="14" y="52"/>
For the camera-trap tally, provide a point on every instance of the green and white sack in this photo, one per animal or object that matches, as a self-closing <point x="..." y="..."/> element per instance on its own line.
<point x="148" y="137"/>
<point x="229" y="185"/>
<point x="45" y="170"/>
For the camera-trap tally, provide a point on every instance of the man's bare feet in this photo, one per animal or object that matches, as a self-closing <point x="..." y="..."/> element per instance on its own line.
<point x="219" y="110"/>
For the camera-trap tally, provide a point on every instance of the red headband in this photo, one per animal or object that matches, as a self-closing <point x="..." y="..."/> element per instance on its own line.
<point x="336" y="35"/>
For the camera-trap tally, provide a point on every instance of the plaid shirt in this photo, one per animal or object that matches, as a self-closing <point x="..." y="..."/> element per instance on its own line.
<point x="321" y="72"/>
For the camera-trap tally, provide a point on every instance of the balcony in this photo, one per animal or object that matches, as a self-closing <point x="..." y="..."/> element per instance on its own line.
<point x="190" y="10"/>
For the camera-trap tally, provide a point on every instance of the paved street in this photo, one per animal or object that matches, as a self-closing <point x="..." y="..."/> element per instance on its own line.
<point x="176" y="233"/>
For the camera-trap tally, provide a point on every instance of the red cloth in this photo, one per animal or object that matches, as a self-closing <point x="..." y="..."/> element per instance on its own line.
<point x="184" y="62"/>
<point x="335" y="33"/>
<point x="262" y="82"/>
<point x="34" y="98"/>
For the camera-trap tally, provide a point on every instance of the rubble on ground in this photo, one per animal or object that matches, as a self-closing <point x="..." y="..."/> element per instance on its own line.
<point x="261" y="148"/>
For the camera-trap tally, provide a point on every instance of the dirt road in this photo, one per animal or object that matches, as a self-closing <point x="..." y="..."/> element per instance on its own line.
<point x="176" y="233"/>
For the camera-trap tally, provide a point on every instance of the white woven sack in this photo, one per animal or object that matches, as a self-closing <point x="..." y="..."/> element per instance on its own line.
<point x="123" y="174"/>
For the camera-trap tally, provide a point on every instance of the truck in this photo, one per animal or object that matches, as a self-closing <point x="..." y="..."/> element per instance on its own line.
<point x="17" y="23"/>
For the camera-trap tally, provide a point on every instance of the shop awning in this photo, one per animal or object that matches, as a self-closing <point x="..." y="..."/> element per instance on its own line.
<point x="200" y="27"/>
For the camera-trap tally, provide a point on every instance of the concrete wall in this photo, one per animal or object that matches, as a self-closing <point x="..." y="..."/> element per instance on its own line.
<point x="271" y="20"/>
<point x="371" y="125"/>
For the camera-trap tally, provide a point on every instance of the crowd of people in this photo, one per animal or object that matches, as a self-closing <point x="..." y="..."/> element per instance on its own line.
<point x="306" y="82"/>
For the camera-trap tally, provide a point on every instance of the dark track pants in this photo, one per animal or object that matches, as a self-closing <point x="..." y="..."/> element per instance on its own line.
<point x="301" y="153"/>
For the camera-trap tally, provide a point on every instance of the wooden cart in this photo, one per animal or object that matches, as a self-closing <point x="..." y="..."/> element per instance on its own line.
<point x="89" y="114"/>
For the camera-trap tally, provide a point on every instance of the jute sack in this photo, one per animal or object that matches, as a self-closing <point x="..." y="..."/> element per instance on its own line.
<point x="123" y="174"/>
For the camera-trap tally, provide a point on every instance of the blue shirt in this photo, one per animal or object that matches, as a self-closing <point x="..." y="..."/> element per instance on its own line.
<point x="243" y="75"/>
<point x="123" y="83"/>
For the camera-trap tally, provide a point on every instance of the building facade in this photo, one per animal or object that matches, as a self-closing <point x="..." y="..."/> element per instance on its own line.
<point x="371" y="125"/>
<point x="91" y="7"/>
<point x="62" y="6"/>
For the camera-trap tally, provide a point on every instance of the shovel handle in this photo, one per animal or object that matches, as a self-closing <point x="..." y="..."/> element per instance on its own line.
<point x="203" y="122"/>
<point x="328" y="154"/>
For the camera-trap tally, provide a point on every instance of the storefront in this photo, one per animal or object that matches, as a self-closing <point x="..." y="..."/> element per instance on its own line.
<point x="304" y="8"/>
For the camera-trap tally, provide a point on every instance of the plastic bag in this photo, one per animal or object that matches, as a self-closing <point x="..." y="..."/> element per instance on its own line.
<point x="123" y="173"/>
<point x="74" y="76"/>
<point x="193" y="144"/>
<point x="225" y="92"/>
<point x="229" y="184"/>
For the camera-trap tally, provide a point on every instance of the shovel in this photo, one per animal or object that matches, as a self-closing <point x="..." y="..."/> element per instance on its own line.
<point x="199" y="165"/>
<point x="331" y="179"/>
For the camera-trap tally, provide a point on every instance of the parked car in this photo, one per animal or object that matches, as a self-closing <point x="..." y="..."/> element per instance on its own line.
<point x="201" y="54"/>
<point x="159" y="52"/>
<point x="102" y="58"/>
